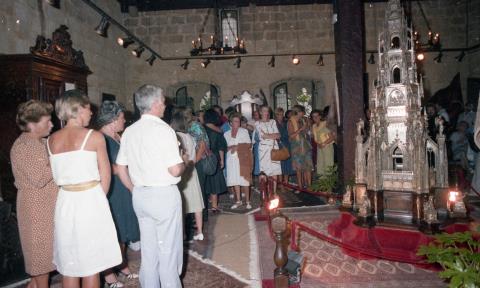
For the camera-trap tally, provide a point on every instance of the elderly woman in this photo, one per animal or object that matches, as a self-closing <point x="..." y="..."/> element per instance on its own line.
<point x="85" y="237"/>
<point x="37" y="192"/>
<point x="301" y="149"/>
<point x="189" y="185"/>
<point x="239" y="174"/>
<point x="111" y="121"/>
<point x="268" y="133"/>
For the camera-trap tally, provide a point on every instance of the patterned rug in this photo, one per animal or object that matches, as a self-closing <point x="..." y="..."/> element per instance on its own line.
<point x="197" y="273"/>
<point x="327" y="266"/>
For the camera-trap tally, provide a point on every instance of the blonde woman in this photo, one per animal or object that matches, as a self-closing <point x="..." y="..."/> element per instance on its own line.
<point x="300" y="147"/>
<point x="324" y="139"/>
<point x="85" y="241"/>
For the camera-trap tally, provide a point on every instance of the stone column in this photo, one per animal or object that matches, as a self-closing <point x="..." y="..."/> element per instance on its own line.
<point x="349" y="58"/>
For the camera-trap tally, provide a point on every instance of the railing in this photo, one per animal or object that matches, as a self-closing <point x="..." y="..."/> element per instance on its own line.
<point x="266" y="186"/>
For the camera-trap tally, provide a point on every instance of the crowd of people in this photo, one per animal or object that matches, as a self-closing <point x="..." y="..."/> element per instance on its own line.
<point x="463" y="153"/>
<point x="91" y="192"/>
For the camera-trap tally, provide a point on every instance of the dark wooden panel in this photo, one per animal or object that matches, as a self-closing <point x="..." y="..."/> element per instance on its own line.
<point x="349" y="62"/>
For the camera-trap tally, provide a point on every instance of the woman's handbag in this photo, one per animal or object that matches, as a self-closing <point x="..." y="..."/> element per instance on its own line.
<point x="209" y="162"/>
<point x="279" y="154"/>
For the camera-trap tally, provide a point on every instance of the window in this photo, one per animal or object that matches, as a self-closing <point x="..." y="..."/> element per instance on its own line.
<point x="213" y="95"/>
<point x="395" y="43"/>
<point x="181" y="96"/>
<point x="280" y="97"/>
<point x="182" y="99"/>
<point x="396" y="75"/>
<point x="397" y="159"/>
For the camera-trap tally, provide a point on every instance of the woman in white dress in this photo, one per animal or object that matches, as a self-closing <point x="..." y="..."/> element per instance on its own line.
<point x="268" y="133"/>
<point x="85" y="238"/>
<point x="234" y="138"/>
<point x="189" y="185"/>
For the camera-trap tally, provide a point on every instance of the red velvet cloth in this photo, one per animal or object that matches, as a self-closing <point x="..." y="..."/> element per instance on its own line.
<point x="394" y="243"/>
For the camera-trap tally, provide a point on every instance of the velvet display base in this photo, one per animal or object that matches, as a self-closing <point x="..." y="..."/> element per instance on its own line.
<point x="391" y="243"/>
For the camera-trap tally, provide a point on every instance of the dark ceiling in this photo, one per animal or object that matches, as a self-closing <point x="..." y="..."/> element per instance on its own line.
<point x="155" y="5"/>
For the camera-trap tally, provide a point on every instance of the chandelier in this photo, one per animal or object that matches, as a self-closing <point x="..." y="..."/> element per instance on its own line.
<point x="217" y="47"/>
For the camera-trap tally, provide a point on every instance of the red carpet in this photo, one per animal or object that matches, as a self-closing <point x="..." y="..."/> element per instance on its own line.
<point x="391" y="243"/>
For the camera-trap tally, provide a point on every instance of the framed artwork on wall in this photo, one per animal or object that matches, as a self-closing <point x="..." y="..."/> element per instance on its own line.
<point x="229" y="26"/>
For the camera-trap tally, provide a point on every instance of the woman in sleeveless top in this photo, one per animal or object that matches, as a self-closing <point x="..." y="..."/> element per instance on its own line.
<point x="189" y="185"/>
<point x="301" y="149"/>
<point x="85" y="239"/>
<point x="111" y="121"/>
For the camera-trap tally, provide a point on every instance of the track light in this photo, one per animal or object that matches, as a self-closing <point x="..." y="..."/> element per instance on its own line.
<point x="138" y="51"/>
<point x="185" y="64"/>
<point x="271" y="63"/>
<point x="205" y="63"/>
<point x="125" y="41"/>
<point x="420" y="56"/>
<point x="460" y="57"/>
<point x="151" y="59"/>
<point x="295" y="60"/>
<point x="438" y="59"/>
<point x="371" y="59"/>
<point x="237" y="62"/>
<point x="320" y="60"/>
<point x="101" y="29"/>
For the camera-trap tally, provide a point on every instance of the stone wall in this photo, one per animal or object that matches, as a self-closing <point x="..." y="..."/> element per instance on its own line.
<point x="272" y="29"/>
<point x="266" y="30"/>
<point x="104" y="57"/>
<point x="292" y="29"/>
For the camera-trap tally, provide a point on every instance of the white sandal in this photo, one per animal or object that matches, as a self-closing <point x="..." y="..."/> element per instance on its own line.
<point x="236" y="205"/>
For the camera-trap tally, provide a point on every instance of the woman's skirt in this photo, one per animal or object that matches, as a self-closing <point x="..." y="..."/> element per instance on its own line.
<point x="85" y="239"/>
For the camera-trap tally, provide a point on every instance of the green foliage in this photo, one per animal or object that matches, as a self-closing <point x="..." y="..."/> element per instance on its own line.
<point x="459" y="256"/>
<point x="326" y="182"/>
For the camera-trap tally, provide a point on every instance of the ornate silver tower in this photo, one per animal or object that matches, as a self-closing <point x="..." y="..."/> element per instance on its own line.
<point x="398" y="163"/>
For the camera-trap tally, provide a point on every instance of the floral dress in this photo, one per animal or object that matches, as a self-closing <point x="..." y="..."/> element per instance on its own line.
<point x="300" y="147"/>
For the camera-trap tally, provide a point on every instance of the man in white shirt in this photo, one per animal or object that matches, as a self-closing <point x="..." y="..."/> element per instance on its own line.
<point x="149" y="164"/>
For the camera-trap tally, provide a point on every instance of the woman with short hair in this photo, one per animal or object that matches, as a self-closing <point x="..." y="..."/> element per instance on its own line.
<point x="268" y="133"/>
<point x="85" y="241"/>
<point x="37" y="191"/>
<point x="111" y="122"/>
<point x="239" y="159"/>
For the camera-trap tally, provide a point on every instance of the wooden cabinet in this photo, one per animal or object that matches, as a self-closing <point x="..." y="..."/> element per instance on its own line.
<point x="41" y="74"/>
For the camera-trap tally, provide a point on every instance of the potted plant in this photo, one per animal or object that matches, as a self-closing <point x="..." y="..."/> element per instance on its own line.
<point x="459" y="256"/>
<point x="327" y="182"/>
